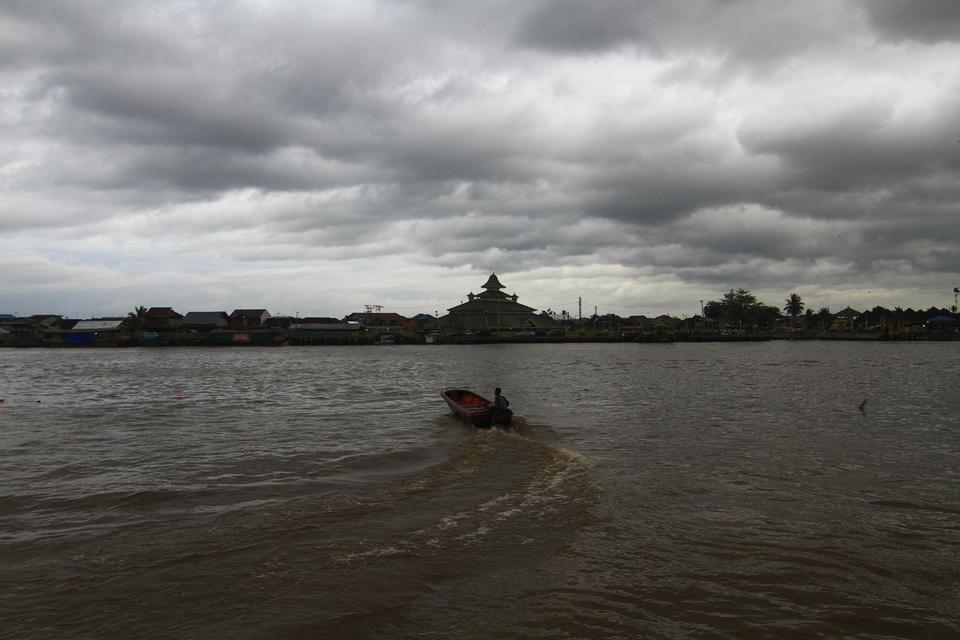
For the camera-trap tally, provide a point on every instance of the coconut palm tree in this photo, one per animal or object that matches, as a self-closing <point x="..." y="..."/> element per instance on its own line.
<point x="824" y="315"/>
<point x="137" y="315"/>
<point x="794" y="307"/>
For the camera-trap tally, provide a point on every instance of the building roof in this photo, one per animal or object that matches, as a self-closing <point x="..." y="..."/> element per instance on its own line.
<point x="493" y="283"/>
<point x="539" y="321"/>
<point x="248" y="312"/>
<point x="335" y="325"/>
<point x="933" y="311"/>
<point x="97" y="325"/>
<point x="376" y="316"/>
<point x="204" y="317"/>
<point x="491" y="299"/>
<point x="161" y="312"/>
<point x="847" y="313"/>
<point x="502" y="305"/>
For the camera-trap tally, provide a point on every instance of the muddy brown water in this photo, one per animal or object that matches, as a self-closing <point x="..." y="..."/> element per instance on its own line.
<point x="648" y="491"/>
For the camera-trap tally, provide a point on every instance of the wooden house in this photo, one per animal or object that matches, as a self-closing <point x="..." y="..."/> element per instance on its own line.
<point x="248" y="318"/>
<point x="160" y="319"/>
<point x="205" y="320"/>
<point x="845" y="320"/>
<point x="377" y="320"/>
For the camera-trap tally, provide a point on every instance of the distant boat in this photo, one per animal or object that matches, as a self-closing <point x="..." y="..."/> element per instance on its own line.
<point x="474" y="408"/>
<point x="387" y="338"/>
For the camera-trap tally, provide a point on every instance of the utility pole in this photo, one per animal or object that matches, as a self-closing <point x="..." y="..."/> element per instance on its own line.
<point x="580" y="309"/>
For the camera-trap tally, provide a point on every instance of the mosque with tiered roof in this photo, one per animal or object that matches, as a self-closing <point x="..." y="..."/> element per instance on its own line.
<point x="494" y="310"/>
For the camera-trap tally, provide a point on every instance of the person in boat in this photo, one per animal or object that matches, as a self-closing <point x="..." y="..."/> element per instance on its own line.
<point x="498" y="407"/>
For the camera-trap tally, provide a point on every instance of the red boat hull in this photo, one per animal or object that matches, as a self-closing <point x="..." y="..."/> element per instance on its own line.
<point x="474" y="408"/>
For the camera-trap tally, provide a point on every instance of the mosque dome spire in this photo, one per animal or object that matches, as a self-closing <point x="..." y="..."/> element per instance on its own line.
<point x="493" y="283"/>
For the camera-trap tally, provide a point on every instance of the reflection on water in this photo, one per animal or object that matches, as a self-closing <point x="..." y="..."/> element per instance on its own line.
<point x="704" y="490"/>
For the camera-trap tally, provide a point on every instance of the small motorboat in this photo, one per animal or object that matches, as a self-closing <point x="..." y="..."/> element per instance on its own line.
<point x="475" y="409"/>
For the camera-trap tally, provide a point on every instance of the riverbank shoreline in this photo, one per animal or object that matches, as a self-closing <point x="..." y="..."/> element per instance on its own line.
<point x="374" y="340"/>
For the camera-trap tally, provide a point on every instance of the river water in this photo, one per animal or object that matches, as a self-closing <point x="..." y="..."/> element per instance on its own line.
<point x="648" y="491"/>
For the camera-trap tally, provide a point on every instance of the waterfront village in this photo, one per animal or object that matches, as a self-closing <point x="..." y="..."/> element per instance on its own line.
<point x="489" y="316"/>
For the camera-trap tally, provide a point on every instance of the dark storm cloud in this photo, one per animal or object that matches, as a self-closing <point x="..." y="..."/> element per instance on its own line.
<point x="588" y="27"/>
<point x="719" y="142"/>
<point x="64" y="34"/>
<point x="861" y="146"/>
<point x="922" y="20"/>
<point x="160" y="108"/>
<point x="745" y="31"/>
<point x="664" y="193"/>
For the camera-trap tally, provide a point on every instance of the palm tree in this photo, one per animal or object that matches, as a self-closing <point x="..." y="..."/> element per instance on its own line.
<point x="794" y="307"/>
<point x="824" y="315"/>
<point x="137" y="315"/>
<point x="898" y="318"/>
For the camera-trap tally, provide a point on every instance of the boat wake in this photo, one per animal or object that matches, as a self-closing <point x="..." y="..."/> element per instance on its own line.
<point x="506" y="488"/>
<point x="363" y="560"/>
<point x="506" y="500"/>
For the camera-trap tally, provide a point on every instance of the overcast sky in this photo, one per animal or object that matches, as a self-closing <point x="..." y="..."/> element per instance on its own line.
<point x="315" y="157"/>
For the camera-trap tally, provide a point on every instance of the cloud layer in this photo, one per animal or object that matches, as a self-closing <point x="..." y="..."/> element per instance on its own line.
<point x="317" y="157"/>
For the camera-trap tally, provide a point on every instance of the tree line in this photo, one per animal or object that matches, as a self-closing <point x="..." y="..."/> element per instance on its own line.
<point x="742" y="309"/>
